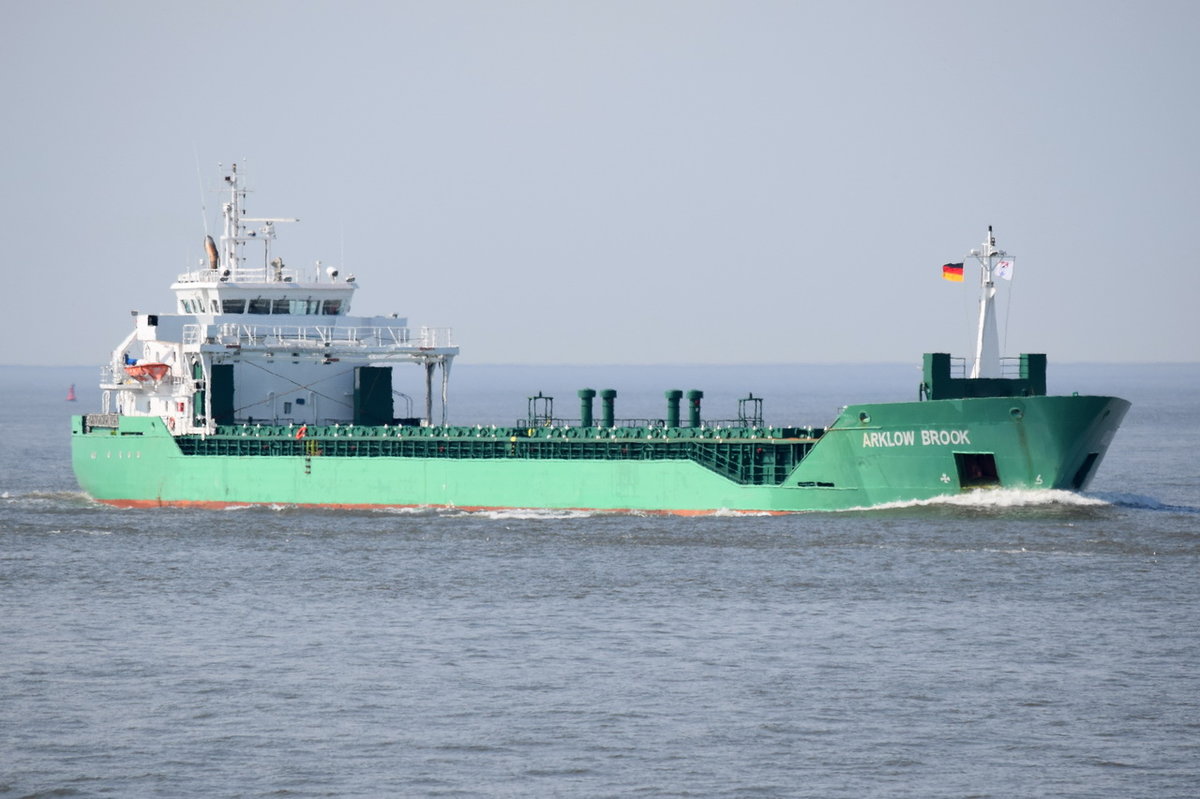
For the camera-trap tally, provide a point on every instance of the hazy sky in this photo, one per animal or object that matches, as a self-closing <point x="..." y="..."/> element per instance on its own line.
<point x="620" y="182"/>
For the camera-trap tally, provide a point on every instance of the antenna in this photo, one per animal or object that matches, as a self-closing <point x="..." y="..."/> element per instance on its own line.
<point x="200" y="183"/>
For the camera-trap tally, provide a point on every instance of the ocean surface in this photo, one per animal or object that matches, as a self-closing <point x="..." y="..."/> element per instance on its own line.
<point x="1009" y="645"/>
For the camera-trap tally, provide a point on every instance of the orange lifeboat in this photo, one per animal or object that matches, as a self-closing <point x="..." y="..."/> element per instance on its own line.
<point x="147" y="371"/>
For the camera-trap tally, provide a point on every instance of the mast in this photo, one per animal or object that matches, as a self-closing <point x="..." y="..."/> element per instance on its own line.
<point x="235" y="233"/>
<point x="987" y="341"/>
<point x="232" y="211"/>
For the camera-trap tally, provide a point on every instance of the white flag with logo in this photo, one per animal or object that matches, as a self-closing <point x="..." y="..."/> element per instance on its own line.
<point x="1004" y="269"/>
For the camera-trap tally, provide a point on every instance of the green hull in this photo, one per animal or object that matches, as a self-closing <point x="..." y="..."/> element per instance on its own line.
<point x="872" y="454"/>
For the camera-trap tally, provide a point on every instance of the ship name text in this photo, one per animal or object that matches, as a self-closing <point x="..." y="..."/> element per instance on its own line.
<point x="910" y="438"/>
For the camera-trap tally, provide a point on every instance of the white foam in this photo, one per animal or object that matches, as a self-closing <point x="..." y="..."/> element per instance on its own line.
<point x="404" y="510"/>
<point x="47" y="496"/>
<point x="542" y="514"/>
<point x="999" y="498"/>
<point x="726" y="512"/>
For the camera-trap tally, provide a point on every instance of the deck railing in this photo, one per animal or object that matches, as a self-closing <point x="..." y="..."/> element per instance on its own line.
<point x="317" y="336"/>
<point x="1010" y="366"/>
<point x="247" y="274"/>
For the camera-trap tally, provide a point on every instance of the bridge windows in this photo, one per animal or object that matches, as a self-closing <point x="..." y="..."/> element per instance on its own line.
<point x="275" y="306"/>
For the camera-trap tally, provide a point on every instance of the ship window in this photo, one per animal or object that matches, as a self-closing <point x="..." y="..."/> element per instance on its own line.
<point x="281" y="306"/>
<point x="331" y="307"/>
<point x="233" y="306"/>
<point x="976" y="469"/>
<point x="214" y="307"/>
<point x="302" y="306"/>
<point x="260" y="306"/>
<point x="287" y="408"/>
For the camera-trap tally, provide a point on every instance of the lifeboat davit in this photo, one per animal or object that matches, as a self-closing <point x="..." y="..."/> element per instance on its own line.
<point x="147" y="371"/>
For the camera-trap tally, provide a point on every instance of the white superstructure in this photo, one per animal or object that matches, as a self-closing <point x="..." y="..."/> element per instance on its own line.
<point x="256" y="341"/>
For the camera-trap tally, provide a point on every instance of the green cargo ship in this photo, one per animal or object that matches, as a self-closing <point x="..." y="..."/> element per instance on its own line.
<point x="261" y="389"/>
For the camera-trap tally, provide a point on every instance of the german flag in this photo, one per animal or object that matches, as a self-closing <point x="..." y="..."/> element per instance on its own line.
<point x="952" y="272"/>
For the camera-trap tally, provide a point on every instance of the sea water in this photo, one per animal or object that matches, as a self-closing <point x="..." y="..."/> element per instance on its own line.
<point x="1008" y="644"/>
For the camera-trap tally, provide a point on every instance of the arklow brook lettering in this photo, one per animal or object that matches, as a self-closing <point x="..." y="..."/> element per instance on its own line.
<point x="908" y="438"/>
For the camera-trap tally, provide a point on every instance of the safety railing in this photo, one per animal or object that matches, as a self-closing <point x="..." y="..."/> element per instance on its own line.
<point x="1010" y="366"/>
<point x="246" y="274"/>
<point x="233" y="334"/>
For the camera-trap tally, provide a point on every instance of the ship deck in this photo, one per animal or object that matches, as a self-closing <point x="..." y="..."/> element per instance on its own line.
<point x="749" y="456"/>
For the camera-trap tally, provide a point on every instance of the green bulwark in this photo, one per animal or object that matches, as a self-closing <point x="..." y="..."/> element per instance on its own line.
<point x="750" y="456"/>
<point x="938" y="383"/>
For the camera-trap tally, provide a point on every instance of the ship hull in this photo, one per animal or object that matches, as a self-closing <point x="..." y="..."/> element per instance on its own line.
<point x="872" y="454"/>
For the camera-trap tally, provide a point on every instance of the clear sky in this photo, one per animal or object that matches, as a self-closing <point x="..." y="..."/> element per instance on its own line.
<point x="620" y="182"/>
